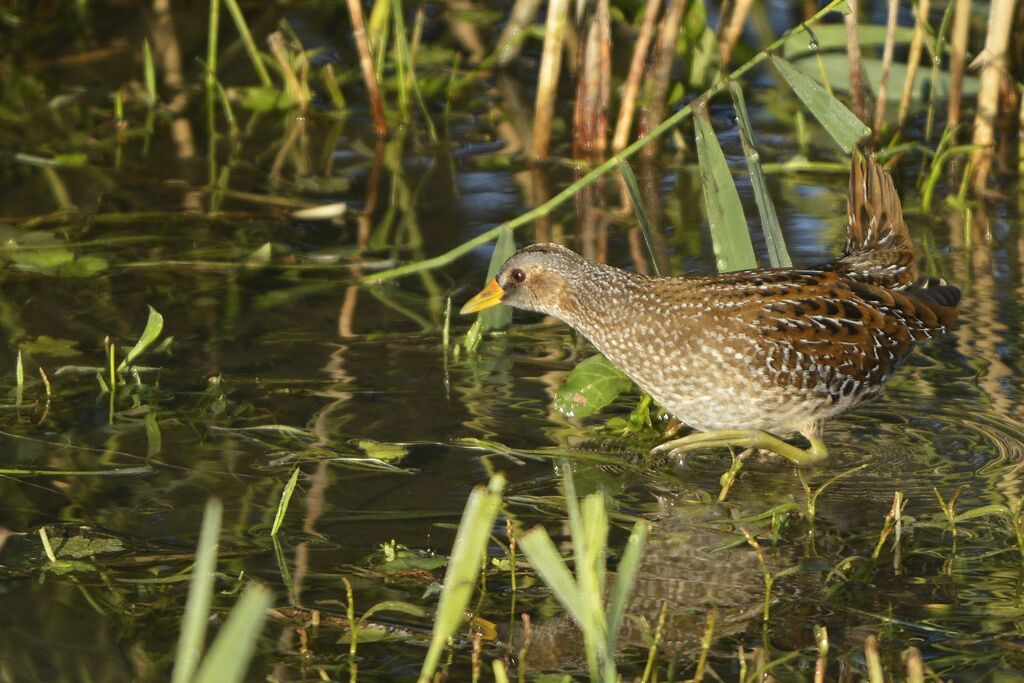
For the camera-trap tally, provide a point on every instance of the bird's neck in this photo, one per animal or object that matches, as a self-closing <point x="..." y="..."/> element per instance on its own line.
<point x="601" y="296"/>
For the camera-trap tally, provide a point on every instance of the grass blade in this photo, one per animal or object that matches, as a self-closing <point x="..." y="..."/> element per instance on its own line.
<point x="200" y="594"/>
<point x="638" y="206"/>
<point x="625" y="579"/>
<point x="463" y="564"/>
<point x="729" y="234"/>
<point x="845" y="128"/>
<point x="229" y="656"/>
<point x="544" y="557"/>
<point x="282" y="507"/>
<point x="778" y="255"/>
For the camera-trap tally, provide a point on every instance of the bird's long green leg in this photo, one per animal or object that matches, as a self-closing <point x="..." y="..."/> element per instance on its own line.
<point x="748" y="438"/>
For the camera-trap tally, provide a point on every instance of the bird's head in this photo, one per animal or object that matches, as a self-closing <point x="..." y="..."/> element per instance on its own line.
<point x="536" y="278"/>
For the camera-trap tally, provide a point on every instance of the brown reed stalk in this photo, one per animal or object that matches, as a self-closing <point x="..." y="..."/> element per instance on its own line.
<point x="729" y="32"/>
<point x="355" y="12"/>
<point x="658" y="71"/>
<point x="993" y="70"/>
<point x="887" y="51"/>
<point x="631" y="86"/>
<point x="913" y="60"/>
<point x="593" y="86"/>
<point x="958" y="60"/>
<point x="547" y="83"/>
<point x="857" y="93"/>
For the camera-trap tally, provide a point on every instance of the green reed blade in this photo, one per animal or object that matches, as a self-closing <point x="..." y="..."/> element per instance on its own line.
<point x="729" y="234"/>
<point x="200" y="595"/>
<point x="463" y="565"/>
<point x="641" y="214"/>
<point x="845" y="128"/>
<point x="229" y="656"/>
<point x="778" y="255"/>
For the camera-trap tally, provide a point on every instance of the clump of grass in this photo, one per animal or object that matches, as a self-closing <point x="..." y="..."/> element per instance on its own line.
<point x="227" y="659"/>
<point x="582" y="591"/>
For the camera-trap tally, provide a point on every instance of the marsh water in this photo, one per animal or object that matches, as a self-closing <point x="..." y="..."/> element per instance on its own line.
<point x="275" y="356"/>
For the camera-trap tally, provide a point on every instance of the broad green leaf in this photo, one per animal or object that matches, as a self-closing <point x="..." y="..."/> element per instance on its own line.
<point x="777" y="252"/>
<point x="78" y="547"/>
<point x="845" y="128"/>
<point x="729" y="234"/>
<point x="591" y="385"/>
<point x="463" y="565"/>
<point x="498" y="317"/>
<point x="154" y="326"/>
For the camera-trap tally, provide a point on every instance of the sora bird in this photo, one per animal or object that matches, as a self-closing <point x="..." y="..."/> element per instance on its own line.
<point x="747" y="356"/>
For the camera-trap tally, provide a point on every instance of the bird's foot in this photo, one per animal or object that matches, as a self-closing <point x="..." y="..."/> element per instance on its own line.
<point x="747" y="438"/>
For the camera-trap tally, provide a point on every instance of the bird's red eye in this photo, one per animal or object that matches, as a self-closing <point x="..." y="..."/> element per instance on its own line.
<point x="517" y="276"/>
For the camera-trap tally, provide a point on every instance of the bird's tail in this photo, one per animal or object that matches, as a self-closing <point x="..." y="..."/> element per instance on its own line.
<point x="878" y="248"/>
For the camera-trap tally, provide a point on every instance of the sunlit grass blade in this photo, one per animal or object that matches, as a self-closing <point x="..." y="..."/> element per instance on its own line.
<point x="200" y="594"/>
<point x="154" y="326"/>
<point x="729" y="235"/>
<point x="545" y="559"/>
<point x="286" y="497"/>
<point x="845" y="128"/>
<point x="148" y="72"/>
<point x="498" y="317"/>
<point x="625" y="579"/>
<point x="778" y="255"/>
<point x="229" y="656"/>
<point x="463" y="565"/>
<point x="636" y="198"/>
<point x="250" y="44"/>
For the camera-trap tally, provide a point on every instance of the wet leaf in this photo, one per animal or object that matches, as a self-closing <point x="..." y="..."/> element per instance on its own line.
<point x="154" y="326"/>
<point x="591" y="385"/>
<point x="845" y="128"/>
<point x="48" y="346"/>
<point x="382" y="451"/>
<point x="729" y="233"/>
<point x="42" y="259"/>
<point x="83" y="266"/>
<point x="78" y="547"/>
<point x="261" y="98"/>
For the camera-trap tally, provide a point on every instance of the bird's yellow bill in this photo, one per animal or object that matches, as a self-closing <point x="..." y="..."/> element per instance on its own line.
<point x="491" y="295"/>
